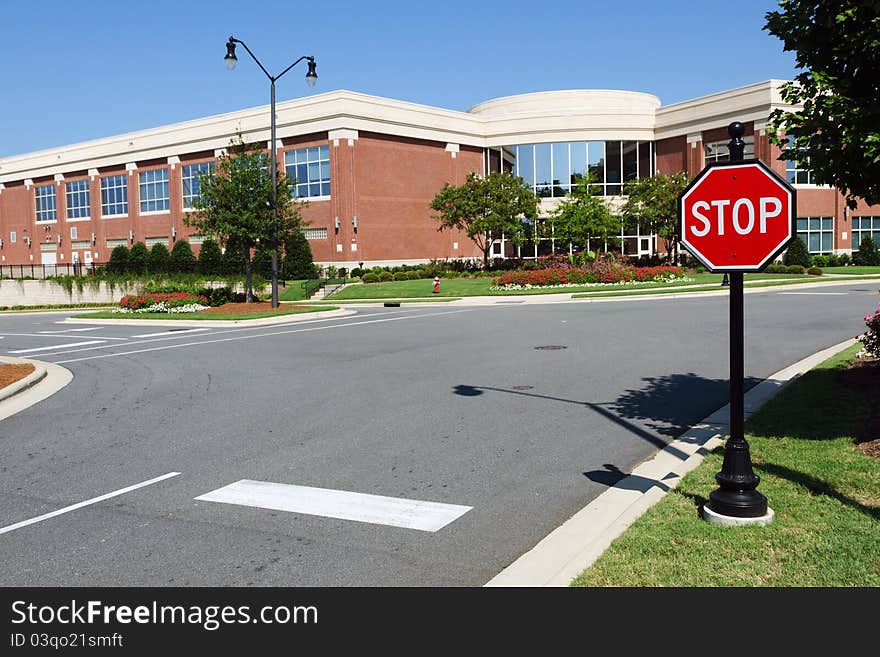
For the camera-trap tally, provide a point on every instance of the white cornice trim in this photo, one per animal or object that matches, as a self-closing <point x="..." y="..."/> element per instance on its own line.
<point x="94" y="173"/>
<point x="173" y="160"/>
<point x="59" y="177"/>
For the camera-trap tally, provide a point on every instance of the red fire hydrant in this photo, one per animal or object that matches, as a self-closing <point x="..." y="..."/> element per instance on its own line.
<point x="436" y="285"/>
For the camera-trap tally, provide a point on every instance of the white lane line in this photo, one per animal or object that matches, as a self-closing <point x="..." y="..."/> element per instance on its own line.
<point x="57" y="346"/>
<point x="816" y="294"/>
<point x="79" y="505"/>
<point x="241" y="337"/>
<point x="344" y="505"/>
<point x="91" y="328"/>
<point x="60" y="337"/>
<point x="177" y="332"/>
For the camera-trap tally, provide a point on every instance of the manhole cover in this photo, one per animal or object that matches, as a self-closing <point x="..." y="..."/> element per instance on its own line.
<point x="550" y="347"/>
<point x="522" y="387"/>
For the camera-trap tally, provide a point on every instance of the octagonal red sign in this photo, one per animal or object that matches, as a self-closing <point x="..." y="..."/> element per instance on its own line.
<point x="737" y="216"/>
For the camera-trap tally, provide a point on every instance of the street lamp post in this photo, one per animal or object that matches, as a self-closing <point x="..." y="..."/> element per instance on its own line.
<point x="311" y="79"/>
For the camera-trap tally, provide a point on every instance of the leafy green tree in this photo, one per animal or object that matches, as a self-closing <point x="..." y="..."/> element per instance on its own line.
<point x="653" y="203"/>
<point x="485" y="208"/>
<point x="118" y="263"/>
<point x="835" y="134"/>
<point x="797" y="254"/>
<point x="138" y="259"/>
<point x="235" y="204"/>
<point x="867" y="255"/>
<point x="159" y="260"/>
<point x="580" y="216"/>
<point x="262" y="260"/>
<point x="233" y="258"/>
<point x="210" y="260"/>
<point x="298" y="259"/>
<point x="182" y="258"/>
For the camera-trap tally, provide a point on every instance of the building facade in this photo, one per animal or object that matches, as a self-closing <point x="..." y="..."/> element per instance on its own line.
<point x="369" y="168"/>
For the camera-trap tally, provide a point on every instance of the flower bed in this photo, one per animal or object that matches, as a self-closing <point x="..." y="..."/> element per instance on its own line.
<point x="577" y="276"/>
<point x="162" y="302"/>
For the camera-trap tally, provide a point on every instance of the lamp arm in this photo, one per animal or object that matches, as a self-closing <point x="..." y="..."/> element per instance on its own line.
<point x="308" y="57"/>
<point x="253" y="56"/>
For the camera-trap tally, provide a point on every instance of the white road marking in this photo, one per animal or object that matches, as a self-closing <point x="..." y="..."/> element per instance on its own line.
<point x="91" y="328"/>
<point x="59" y="337"/>
<point x="344" y="505"/>
<point x="57" y="346"/>
<point x="177" y="332"/>
<point x="242" y="337"/>
<point x="816" y="294"/>
<point x="79" y="505"/>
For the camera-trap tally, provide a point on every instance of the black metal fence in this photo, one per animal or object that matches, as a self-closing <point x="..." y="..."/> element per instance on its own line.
<point x="34" y="271"/>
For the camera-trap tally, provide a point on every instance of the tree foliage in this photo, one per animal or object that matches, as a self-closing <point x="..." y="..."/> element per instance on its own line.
<point x="118" y="263"/>
<point x="298" y="258"/>
<point x="159" y="260"/>
<point x="138" y="259"/>
<point x="580" y="216"/>
<point x="485" y="208"/>
<point x="867" y="255"/>
<point x="210" y="261"/>
<point x="235" y="203"/>
<point x="653" y="204"/>
<point x="797" y="254"/>
<point x="182" y="258"/>
<point x="836" y="134"/>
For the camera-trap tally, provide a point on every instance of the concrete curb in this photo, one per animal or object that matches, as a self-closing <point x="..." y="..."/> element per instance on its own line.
<point x="576" y="544"/>
<point x="52" y="379"/>
<point x="207" y="323"/>
<point x="33" y="378"/>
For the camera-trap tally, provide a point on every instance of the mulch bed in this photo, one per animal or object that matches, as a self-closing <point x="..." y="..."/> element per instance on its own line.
<point x="247" y="308"/>
<point x="864" y="375"/>
<point x="12" y="372"/>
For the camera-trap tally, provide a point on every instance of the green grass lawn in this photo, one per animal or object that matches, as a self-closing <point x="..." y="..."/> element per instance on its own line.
<point x="825" y="493"/>
<point x="292" y="291"/>
<point x="853" y="271"/>
<point x="198" y="316"/>
<point x="466" y="287"/>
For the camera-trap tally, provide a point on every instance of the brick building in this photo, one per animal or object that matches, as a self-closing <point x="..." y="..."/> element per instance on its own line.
<point x="370" y="166"/>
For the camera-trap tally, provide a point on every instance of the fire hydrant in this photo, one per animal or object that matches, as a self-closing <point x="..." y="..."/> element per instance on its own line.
<point x="436" y="285"/>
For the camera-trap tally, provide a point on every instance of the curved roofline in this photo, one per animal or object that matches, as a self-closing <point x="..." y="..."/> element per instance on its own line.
<point x="536" y="94"/>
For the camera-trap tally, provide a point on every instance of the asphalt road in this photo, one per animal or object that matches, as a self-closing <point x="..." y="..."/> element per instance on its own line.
<point x="451" y="404"/>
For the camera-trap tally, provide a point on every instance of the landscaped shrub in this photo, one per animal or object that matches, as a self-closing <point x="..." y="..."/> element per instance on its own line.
<point x="118" y="260"/>
<point x="138" y="258"/>
<point x="217" y="296"/>
<point x="867" y="255"/>
<point x="370" y="277"/>
<point x="162" y="302"/>
<point x="182" y="258"/>
<point x="605" y="271"/>
<point x="401" y="276"/>
<point x="797" y="254"/>
<point x="794" y="269"/>
<point x="821" y="260"/>
<point x="870" y="339"/>
<point x="298" y="262"/>
<point x="775" y="268"/>
<point x="413" y="275"/>
<point x="210" y="261"/>
<point x="386" y="276"/>
<point x="159" y="260"/>
<point x="357" y="272"/>
<point x="843" y="260"/>
<point x="815" y="271"/>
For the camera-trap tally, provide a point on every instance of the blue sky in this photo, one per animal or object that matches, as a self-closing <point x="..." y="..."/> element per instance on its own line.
<point x="74" y="71"/>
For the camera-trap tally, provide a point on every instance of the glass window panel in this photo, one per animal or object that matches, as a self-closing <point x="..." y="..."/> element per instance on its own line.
<point x="804" y="237"/>
<point x="856" y="240"/>
<point x="525" y="163"/>
<point x="325" y="189"/>
<point x="542" y="165"/>
<point x="815" y="223"/>
<point x="645" y="160"/>
<point x="827" y="242"/>
<point x="801" y="224"/>
<point x="827" y="223"/>
<point x="612" y="162"/>
<point x="560" y="165"/>
<point x="596" y="159"/>
<point x="876" y="222"/>
<point x="578" y="155"/>
<point x="629" y="160"/>
<point x="814" y="243"/>
<point x="612" y="190"/>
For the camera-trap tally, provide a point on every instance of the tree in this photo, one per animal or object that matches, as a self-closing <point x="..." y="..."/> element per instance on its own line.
<point x="653" y="203"/>
<point x="797" y="254"/>
<point x="485" y="208"/>
<point x="298" y="259"/>
<point x="262" y="260"/>
<point x="159" y="259"/>
<point x="118" y="263"/>
<point x="235" y="204"/>
<point x="835" y="135"/>
<point x="581" y="216"/>
<point x="210" y="260"/>
<point x="138" y="257"/>
<point x="182" y="258"/>
<point x="867" y="255"/>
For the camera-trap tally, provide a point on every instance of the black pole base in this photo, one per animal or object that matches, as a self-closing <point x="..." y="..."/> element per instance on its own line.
<point x="738" y="503"/>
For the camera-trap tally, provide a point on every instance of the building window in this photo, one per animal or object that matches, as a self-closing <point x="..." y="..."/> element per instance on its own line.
<point x="315" y="233"/>
<point x="718" y="151"/>
<point x="154" y="190"/>
<point x="78" y="200"/>
<point x="309" y="168"/>
<point x="196" y="239"/>
<point x="863" y="227"/>
<point x="795" y="172"/>
<point x="46" y="203"/>
<point x="191" y="173"/>
<point x="12" y="237"/>
<point x="150" y="242"/>
<point x="112" y="244"/>
<point x="73" y="232"/>
<point x="114" y="196"/>
<point x="817" y="233"/>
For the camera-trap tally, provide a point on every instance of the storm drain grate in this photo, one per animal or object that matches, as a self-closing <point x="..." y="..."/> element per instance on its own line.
<point x="551" y="347"/>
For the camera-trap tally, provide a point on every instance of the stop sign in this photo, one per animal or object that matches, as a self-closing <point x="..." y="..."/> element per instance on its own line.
<point x="737" y="216"/>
